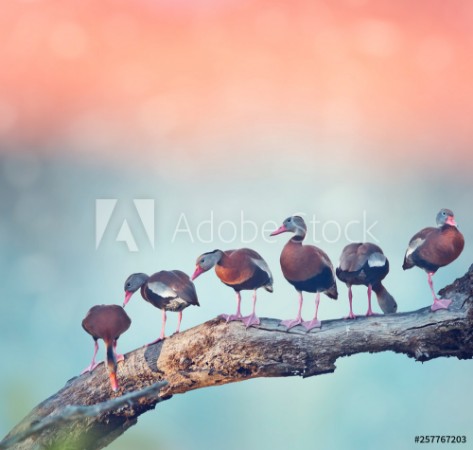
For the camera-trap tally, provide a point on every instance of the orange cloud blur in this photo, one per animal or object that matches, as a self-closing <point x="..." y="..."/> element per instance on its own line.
<point x="146" y="71"/>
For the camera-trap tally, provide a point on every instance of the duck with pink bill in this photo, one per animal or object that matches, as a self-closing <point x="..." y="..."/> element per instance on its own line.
<point x="307" y="268"/>
<point x="241" y="269"/>
<point x="167" y="290"/>
<point x="107" y="322"/>
<point x="435" y="247"/>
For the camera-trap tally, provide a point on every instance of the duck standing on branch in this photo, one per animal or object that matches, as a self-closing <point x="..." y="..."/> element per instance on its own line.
<point x="432" y="248"/>
<point x="242" y="269"/>
<point x="365" y="263"/>
<point x="307" y="268"/>
<point x="107" y="322"/>
<point x="167" y="290"/>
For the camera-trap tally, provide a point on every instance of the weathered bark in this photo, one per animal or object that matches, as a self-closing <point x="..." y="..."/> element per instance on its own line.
<point x="216" y="353"/>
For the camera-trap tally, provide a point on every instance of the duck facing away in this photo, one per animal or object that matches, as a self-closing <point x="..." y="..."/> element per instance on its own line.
<point x="432" y="248"/>
<point x="307" y="268"/>
<point x="241" y="269"/>
<point x="107" y="322"/>
<point x="366" y="264"/>
<point x="167" y="290"/>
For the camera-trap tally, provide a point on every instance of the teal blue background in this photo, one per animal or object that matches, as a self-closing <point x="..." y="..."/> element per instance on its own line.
<point x="52" y="274"/>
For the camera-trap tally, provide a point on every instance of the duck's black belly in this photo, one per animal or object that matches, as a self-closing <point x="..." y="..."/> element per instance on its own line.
<point x="366" y="276"/>
<point x="319" y="283"/>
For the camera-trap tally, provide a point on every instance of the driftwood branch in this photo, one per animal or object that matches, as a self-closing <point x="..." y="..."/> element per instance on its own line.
<point x="216" y="353"/>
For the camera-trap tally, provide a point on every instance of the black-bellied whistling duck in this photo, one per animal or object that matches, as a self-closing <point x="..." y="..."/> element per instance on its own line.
<point x="167" y="290"/>
<point x="365" y="263"/>
<point x="107" y="322"/>
<point x="307" y="268"/>
<point x="432" y="248"/>
<point x="242" y="269"/>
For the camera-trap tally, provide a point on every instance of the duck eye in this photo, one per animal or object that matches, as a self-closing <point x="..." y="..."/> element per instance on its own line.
<point x="128" y="284"/>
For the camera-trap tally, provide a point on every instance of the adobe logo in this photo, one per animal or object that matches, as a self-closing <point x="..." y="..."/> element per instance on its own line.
<point x="144" y="209"/>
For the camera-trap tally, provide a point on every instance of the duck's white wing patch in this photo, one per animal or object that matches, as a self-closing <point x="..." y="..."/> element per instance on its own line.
<point x="414" y="245"/>
<point x="377" y="260"/>
<point x="261" y="263"/>
<point x="162" y="289"/>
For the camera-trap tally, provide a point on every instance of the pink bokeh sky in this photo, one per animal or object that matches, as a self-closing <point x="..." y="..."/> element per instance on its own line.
<point x="91" y="76"/>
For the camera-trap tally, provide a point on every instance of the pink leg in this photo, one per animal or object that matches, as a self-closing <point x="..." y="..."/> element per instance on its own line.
<point x="163" y="326"/>
<point x="370" y="311"/>
<point x="438" y="303"/>
<point x="118" y="357"/>
<point x="314" y="323"/>
<point x="237" y="316"/>
<point x="298" y="320"/>
<point x="93" y="364"/>
<point x="252" y="319"/>
<point x="179" y="320"/>
<point x="350" y="300"/>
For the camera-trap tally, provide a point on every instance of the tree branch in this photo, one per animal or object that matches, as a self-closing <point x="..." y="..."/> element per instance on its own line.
<point x="216" y="353"/>
<point x="76" y="412"/>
